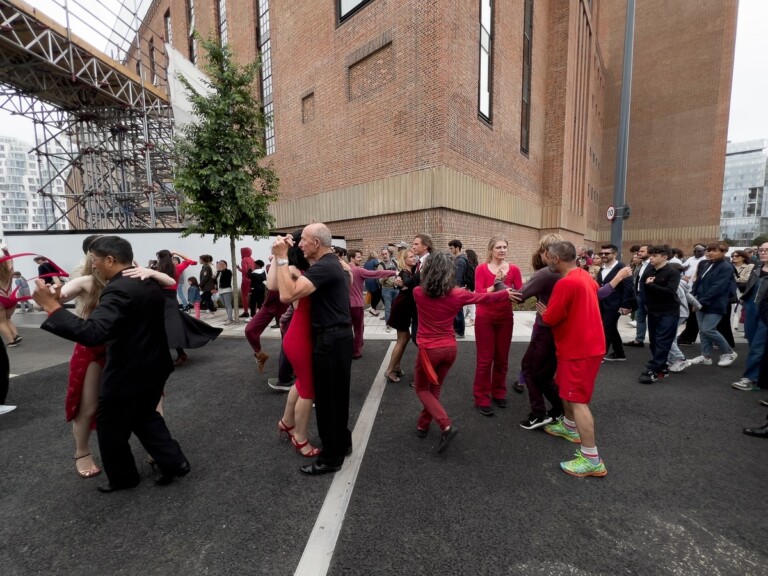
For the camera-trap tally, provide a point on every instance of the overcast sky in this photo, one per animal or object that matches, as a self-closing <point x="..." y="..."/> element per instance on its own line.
<point x="749" y="104"/>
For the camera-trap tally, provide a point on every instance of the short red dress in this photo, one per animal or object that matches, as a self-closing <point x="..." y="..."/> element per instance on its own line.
<point x="297" y="345"/>
<point x="78" y="365"/>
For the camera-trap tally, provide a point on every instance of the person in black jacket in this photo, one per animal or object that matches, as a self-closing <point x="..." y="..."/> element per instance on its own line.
<point x="130" y="320"/>
<point x="621" y="301"/>
<point x="714" y="288"/>
<point x="660" y="281"/>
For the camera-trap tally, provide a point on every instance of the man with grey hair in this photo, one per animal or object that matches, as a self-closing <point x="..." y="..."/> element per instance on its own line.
<point x="326" y="283"/>
<point x="574" y="315"/>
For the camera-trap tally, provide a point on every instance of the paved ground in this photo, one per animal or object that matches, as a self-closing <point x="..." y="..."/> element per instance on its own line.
<point x="684" y="493"/>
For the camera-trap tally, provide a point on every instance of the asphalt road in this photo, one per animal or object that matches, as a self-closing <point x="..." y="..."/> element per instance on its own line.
<point x="684" y="494"/>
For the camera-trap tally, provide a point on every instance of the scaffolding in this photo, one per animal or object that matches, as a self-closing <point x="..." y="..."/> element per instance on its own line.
<point x="112" y="128"/>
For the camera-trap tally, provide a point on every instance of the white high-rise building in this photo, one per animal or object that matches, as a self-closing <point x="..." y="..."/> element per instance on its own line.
<point x="744" y="214"/>
<point x="21" y="206"/>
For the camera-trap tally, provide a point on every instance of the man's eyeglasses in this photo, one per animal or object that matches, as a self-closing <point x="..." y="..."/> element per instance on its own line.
<point x="763" y="250"/>
<point x="605" y="253"/>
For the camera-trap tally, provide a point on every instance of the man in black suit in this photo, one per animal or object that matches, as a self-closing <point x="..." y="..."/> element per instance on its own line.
<point x="130" y="320"/>
<point x="613" y="306"/>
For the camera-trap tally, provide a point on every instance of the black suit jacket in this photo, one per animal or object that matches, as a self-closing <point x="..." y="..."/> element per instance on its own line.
<point x="130" y="320"/>
<point x="622" y="297"/>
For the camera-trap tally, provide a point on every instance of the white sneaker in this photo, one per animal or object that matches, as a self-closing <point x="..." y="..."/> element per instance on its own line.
<point x="727" y="359"/>
<point x="701" y="360"/>
<point x="5" y="408"/>
<point x="745" y="384"/>
<point x="679" y="365"/>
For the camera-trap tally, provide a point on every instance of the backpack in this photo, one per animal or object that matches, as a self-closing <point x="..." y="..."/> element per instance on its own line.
<point x="469" y="276"/>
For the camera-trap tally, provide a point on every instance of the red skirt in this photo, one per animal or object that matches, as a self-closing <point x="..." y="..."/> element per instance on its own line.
<point x="78" y="365"/>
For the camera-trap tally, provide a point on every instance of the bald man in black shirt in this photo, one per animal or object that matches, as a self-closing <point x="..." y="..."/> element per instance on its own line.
<point x="326" y="283"/>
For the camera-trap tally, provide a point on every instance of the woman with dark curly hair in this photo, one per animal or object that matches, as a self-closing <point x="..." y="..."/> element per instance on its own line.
<point x="437" y="302"/>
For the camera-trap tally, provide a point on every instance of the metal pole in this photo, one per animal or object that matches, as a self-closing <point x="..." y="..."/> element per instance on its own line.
<point x="622" y="146"/>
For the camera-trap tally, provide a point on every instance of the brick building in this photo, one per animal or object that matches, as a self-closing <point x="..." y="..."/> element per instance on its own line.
<point x="467" y="119"/>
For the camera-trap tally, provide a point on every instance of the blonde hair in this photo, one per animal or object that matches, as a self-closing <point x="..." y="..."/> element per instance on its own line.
<point x="88" y="301"/>
<point x="493" y="241"/>
<point x="546" y="241"/>
<point x="402" y="256"/>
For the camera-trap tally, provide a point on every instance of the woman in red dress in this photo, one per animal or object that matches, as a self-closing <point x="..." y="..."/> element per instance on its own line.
<point x="297" y="345"/>
<point x="493" y="327"/>
<point x="437" y="302"/>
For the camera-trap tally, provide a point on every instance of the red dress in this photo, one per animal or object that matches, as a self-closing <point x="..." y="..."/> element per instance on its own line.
<point x="78" y="366"/>
<point x="297" y="345"/>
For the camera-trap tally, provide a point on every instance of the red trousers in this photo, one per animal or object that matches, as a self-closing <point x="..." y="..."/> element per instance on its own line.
<point x="492" y="339"/>
<point x="272" y="309"/>
<point x="441" y="359"/>
<point x="358" y="325"/>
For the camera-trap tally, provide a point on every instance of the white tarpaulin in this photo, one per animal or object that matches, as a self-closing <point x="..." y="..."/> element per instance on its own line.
<point x="179" y="65"/>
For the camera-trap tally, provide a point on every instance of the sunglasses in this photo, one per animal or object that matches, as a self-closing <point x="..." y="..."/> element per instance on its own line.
<point x="605" y="253"/>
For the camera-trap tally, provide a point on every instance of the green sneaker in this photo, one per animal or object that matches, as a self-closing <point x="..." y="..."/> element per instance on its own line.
<point x="559" y="429"/>
<point x="582" y="467"/>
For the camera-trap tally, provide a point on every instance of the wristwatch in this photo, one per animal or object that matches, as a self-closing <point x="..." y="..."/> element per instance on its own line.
<point x="282" y="261"/>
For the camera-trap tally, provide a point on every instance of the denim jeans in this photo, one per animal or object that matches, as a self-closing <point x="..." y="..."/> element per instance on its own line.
<point x="755" y="331"/>
<point x="641" y="314"/>
<point x="662" y="330"/>
<point x="181" y="296"/>
<point x="675" y="354"/>
<point x="709" y="334"/>
<point x="388" y="295"/>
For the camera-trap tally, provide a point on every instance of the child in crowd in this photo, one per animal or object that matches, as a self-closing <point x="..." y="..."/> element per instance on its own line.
<point x="193" y="296"/>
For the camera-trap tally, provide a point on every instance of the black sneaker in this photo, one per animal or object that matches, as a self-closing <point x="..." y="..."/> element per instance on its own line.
<point x="534" y="422"/>
<point x="634" y="344"/>
<point x="485" y="410"/>
<point x="500" y="402"/>
<point x="446" y="437"/>
<point x="422" y="433"/>
<point x="649" y="376"/>
<point x="613" y="357"/>
<point x="517" y="387"/>
<point x="275" y="384"/>
<point x="684" y="342"/>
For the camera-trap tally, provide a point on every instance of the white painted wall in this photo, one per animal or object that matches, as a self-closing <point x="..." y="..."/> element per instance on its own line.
<point x="65" y="248"/>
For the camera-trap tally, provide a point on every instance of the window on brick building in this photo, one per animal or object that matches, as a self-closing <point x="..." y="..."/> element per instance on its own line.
<point x="265" y="51"/>
<point x="525" y="108"/>
<point x="168" y="30"/>
<point x="152" y="65"/>
<point x="221" y="16"/>
<point x="346" y="8"/>
<point x="191" y="41"/>
<point x="486" y="59"/>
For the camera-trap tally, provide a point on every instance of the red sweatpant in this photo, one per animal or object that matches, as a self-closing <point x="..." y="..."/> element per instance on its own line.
<point x="358" y="325"/>
<point x="441" y="359"/>
<point x="492" y="339"/>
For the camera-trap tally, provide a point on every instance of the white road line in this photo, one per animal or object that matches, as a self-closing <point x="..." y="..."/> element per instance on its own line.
<point x="319" y="549"/>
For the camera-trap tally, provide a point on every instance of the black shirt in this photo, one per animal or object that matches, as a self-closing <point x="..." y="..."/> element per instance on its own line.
<point x="330" y="300"/>
<point x="661" y="295"/>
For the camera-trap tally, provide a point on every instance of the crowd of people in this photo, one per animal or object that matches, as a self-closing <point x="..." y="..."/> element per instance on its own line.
<point x="315" y="293"/>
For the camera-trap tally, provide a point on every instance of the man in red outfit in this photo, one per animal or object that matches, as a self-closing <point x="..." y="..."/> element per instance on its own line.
<point x="574" y="315"/>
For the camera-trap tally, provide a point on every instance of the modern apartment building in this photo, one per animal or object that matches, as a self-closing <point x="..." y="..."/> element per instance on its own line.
<point x="21" y="205"/>
<point x="470" y="118"/>
<point x="744" y="213"/>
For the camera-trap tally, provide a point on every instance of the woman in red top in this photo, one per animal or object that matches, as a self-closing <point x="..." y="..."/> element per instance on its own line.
<point x="437" y="302"/>
<point x="493" y="327"/>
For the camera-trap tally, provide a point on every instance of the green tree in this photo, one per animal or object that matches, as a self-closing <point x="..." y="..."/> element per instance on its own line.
<point x="760" y="240"/>
<point x="225" y="184"/>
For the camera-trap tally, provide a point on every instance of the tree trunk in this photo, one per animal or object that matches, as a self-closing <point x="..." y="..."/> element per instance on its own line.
<point x="235" y="285"/>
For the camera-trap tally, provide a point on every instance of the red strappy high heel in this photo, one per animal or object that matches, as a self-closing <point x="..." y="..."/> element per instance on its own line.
<point x="282" y="428"/>
<point x="300" y="445"/>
